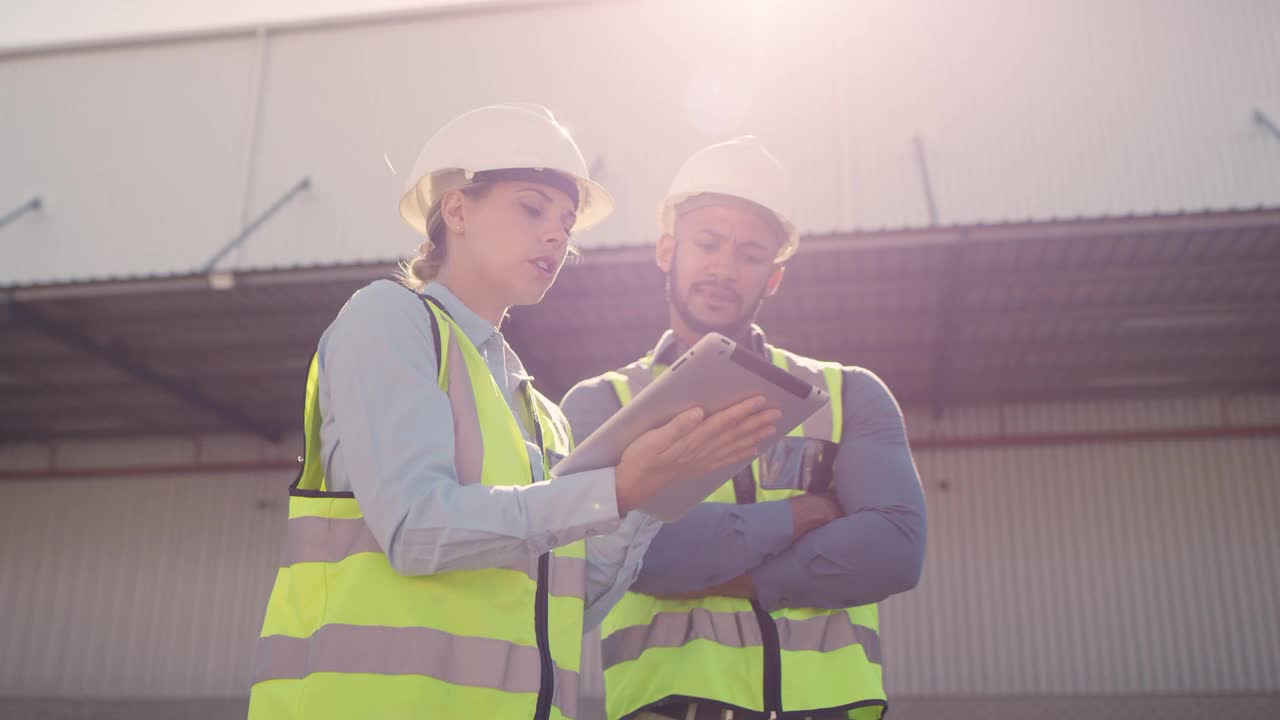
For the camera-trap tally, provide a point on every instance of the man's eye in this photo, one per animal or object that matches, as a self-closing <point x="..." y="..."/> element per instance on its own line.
<point x="532" y="211"/>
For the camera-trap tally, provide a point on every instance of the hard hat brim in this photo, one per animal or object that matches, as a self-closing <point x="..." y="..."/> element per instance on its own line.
<point x="670" y="208"/>
<point x="594" y="202"/>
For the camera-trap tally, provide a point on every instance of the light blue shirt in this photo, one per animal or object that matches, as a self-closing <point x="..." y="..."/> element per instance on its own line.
<point x="387" y="436"/>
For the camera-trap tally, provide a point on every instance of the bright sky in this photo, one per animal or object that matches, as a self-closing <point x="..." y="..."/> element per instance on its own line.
<point x="36" y="23"/>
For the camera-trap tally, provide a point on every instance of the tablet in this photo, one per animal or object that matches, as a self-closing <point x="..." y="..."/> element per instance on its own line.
<point x="714" y="374"/>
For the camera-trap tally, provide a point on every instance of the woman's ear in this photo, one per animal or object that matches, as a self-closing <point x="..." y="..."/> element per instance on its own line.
<point x="453" y="212"/>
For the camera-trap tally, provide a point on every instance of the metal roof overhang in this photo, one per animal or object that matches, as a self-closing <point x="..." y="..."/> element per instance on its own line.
<point x="1078" y="308"/>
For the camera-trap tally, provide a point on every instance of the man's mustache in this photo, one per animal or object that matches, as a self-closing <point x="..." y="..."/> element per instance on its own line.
<point x="705" y="285"/>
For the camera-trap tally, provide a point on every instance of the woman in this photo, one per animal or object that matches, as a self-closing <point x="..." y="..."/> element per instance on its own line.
<point x="430" y="570"/>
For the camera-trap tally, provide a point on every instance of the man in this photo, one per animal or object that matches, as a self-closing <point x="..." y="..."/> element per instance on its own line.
<point x="762" y="600"/>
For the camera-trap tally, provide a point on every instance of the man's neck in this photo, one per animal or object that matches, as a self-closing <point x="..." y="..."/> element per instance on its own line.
<point x="687" y="337"/>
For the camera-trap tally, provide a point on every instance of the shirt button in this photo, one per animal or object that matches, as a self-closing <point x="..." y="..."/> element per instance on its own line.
<point x="595" y="506"/>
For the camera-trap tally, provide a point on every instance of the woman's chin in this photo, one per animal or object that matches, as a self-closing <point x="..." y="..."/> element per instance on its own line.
<point x="530" y="294"/>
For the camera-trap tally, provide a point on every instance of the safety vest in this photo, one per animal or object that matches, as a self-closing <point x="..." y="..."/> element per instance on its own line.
<point x="346" y="636"/>
<point x="730" y="651"/>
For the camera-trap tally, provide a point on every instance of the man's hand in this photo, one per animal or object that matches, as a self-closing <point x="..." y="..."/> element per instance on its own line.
<point x="810" y="512"/>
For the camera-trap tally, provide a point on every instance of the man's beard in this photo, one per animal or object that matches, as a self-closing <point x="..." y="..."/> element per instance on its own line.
<point x="733" y="328"/>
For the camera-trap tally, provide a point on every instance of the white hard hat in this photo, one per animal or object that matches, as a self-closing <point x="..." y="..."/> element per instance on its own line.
<point x="740" y="168"/>
<point x="501" y="137"/>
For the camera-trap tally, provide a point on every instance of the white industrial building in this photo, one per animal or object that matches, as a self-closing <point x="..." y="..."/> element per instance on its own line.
<point x="1053" y="229"/>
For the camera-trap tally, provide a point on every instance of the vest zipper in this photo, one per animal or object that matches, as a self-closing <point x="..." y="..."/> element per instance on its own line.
<point x="547" y="687"/>
<point x="744" y="486"/>
<point x="772" y="660"/>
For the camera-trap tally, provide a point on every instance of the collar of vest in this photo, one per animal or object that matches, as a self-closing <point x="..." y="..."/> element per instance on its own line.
<point x="477" y="329"/>
<point x="669" y="347"/>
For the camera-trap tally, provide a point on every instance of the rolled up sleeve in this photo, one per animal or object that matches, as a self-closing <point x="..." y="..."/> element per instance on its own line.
<point x="614" y="560"/>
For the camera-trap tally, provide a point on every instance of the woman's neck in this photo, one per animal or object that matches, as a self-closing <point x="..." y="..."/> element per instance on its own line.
<point x="475" y="296"/>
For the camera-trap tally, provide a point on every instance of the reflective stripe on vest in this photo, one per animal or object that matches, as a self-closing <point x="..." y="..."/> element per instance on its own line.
<point x="331" y="540"/>
<point x="824" y="633"/>
<point x="345" y="635"/>
<point x="714" y="648"/>
<point x="470" y="661"/>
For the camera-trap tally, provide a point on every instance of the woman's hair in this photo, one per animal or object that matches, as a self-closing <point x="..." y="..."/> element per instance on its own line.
<point x="415" y="273"/>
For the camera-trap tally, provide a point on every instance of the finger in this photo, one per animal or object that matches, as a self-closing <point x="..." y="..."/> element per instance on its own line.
<point x="734" y="459"/>
<point x="677" y="433"/>
<point x="732" y="442"/>
<point x="671" y="435"/>
<point x="748" y="447"/>
<point x="740" y="411"/>
<point x="686" y="421"/>
<point x="754" y="423"/>
<point x="751" y="431"/>
<point x="727" y="418"/>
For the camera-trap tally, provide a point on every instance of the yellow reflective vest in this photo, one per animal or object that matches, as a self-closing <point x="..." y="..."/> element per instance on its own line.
<point x="346" y="636"/>
<point x="729" y="651"/>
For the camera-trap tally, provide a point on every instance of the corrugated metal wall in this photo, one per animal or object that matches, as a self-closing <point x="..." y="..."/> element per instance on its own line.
<point x="1024" y="110"/>
<point x="1095" y="568"/>
<point x="136" y="587"/>
<point x="1094" y="416"/>
<point x="1084" y="569"/>
<point x="1125" y="568"/>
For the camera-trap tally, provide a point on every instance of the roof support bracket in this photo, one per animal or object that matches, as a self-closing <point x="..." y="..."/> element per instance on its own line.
<point x="249" y="229"/>
<point x="1265" y="121"/>
<point x="926" y="181"/>
<point x="31" y="205"/>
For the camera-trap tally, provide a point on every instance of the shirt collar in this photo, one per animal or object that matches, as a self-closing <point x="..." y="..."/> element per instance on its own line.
<point x="478" y="330"/>
<point x="669" y="347"/>
<point x="516" y="373"/>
